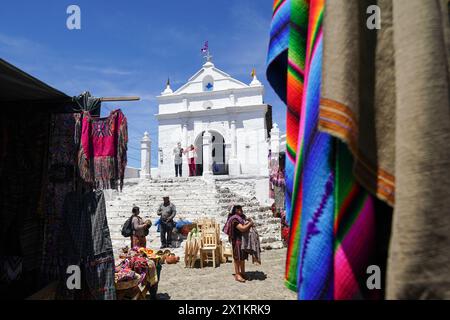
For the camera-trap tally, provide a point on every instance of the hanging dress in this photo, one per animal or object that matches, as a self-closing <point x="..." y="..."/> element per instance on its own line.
<point x="102" y="155"/>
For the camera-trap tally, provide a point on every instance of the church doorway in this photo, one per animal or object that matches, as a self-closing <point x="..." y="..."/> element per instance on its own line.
<point x="219" y="167"/>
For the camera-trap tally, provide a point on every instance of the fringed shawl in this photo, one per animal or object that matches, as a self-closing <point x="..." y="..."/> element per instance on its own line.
<point x="229" y="228"/>
<point x="102" y="155"/>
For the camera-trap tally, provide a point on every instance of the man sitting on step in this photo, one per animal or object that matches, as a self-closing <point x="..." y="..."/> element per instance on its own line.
<point x="167" y="211"/>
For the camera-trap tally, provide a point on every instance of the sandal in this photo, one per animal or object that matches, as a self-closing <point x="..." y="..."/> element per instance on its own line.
<point x="238" y="278"/>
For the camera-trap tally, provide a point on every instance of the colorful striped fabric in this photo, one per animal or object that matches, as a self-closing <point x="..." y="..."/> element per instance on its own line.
<point x="285" y="73"/>
<point x="295" y="78"/>
<point x="331" y="216"/>
<point x="277" y="71"/>
<point x="354" y="231"/>
<point x="278" y="47"/>
<point x="313" y="193"/>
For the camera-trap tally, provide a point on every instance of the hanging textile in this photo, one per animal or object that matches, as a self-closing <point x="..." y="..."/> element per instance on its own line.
<point x="23" y="147"/>
<point x="102" y="156"/>
<point x="328" y="209"/>
<point x="277" y="71"/>
<point x="61" y="181"/>
<point x="378" y="106"/>
<point x="385" y="93"/>
<point x="86" y="102"/>
<point x="285" y="72"/>
<point x="312" y="198"/>
<point x="251" y="245"/>
<point x="87" y="244"/>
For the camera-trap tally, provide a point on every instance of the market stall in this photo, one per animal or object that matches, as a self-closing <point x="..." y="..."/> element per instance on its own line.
<point x="53" y="212"/>
<point x="137" y="273"/>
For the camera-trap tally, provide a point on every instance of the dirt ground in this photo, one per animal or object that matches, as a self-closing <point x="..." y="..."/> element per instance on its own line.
<point x="266" y="281"/>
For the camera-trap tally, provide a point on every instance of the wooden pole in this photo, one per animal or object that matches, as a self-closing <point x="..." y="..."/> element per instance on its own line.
<point x="106" y="99"/>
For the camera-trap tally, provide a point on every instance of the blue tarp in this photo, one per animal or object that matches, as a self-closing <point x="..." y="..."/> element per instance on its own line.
<point x="178" y="224"/>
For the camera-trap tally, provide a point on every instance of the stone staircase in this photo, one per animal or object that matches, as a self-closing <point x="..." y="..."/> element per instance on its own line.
<point x="268" y="227"/>
<point x="193" y="197"/>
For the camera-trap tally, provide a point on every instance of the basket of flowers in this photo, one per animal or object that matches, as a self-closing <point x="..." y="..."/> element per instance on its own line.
<point x="126" y="279"/>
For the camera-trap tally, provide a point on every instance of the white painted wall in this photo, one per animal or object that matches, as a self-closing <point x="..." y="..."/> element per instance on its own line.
<point x="202" y="110"/>
<point x="155" y="172"/>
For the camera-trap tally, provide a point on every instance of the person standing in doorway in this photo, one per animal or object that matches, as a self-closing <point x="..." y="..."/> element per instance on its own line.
<point x="192" y="155"/>
<point x="167" y="211"/>
<point x="178" y="155"/>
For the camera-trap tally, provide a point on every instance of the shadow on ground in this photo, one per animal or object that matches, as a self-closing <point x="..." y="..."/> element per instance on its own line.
<point x="256" y="275"/>
<point x="162" y="296"/>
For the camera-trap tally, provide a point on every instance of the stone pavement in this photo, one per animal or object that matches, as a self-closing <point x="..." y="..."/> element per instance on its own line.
<point x="180" y="283"/>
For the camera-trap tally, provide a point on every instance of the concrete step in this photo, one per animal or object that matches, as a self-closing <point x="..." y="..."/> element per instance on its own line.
<point x="193" y="198"/>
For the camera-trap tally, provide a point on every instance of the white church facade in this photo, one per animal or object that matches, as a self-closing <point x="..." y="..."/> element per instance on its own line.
<point x="225" y="119"/>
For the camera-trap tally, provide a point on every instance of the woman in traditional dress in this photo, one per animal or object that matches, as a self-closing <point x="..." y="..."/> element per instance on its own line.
<point x="192" y="155"/>
<point x="236" y="225"/>
<point x="140" y="229"/>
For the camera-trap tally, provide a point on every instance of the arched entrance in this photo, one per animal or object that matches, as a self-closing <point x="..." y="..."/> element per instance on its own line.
<point x="220" y="167"/>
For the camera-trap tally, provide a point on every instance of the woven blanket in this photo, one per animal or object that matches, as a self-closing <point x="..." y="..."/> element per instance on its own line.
<point x="385" y="93"/>
<point x="328" y="208"/>
<point x="102" y="156"/>
<point x="312" y="197"/>
<point x="277" y="70"/>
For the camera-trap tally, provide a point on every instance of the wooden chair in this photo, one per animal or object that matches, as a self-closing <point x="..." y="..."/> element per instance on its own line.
<point x="208" y="250"/>
<point x="191" y="250"/>
<point x="217" y="228"/>
<point x="227" y="251"/>
<point x="205" y="223"/>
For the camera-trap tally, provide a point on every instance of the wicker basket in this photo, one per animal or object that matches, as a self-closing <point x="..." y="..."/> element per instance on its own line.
<point x="125" y="285"/>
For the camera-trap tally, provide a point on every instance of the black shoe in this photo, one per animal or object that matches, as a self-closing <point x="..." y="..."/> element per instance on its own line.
<point x="163" y="247"/>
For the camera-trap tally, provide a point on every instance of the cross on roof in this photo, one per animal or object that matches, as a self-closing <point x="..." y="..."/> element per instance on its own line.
<point x="209" y="86"/>
<point x="208" y="56"/>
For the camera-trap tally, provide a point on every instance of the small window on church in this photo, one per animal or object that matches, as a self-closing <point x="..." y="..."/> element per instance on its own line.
<point x="207" y="105"/>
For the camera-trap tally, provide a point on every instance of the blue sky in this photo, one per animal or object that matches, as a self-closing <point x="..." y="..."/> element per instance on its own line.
<point x="131" y="47"/>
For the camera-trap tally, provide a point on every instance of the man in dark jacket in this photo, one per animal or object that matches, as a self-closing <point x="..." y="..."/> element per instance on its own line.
<point x="167" y="211"/>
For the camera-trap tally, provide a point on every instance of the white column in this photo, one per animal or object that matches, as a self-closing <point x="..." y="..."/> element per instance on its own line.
<point x="146" y="145"/>
<point x="185" y="134"/>
<point x="233" y="139"/>
<point x="234" y="167"/>
<point x="263" y="151"/>
<point x="232" y="99"/>
<point x="185" y="104"/>
<point x="275" y="143"/>
<point x="184" y="145"/>
<point x="207" y="154"/>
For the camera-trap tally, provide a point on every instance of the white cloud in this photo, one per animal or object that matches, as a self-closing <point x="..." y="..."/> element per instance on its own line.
<point x="19" y="45"/>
